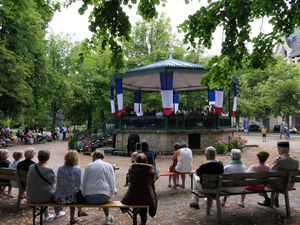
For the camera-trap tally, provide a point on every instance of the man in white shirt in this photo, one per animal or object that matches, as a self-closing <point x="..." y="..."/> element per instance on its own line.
<point x="98" y="184"/>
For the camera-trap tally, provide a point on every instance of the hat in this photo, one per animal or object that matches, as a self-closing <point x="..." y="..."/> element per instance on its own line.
<point x="283" y="144"/>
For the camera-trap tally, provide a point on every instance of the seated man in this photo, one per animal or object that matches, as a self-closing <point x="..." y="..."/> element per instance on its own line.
<point x="283" y="162"/>
<point x="212" y="166"/>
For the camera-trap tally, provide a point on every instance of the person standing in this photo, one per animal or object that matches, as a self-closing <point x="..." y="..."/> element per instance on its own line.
<point x="264" y="133"/>
<point x="141" y="189"/>
<point x="64" y="132"/>
<point x="281" y="130"/>
<point x="98" y="184"/>
<point x="284" y="162"/>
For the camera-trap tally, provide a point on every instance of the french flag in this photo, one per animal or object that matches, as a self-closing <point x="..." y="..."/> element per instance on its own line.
<point x="166" y="84"/>
<point x="112" y="101"/>
<point x="219" y="102"/>
<point x="119" y="96"/>
<point x="138" y="103"/>
<point x="211" y="97"/>
<point x="176" y="101"/>
<point x="234" y="100"/>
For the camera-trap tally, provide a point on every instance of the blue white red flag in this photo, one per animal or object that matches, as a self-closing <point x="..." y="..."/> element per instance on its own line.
<point x="138" y="103"/>
<point x="176" y="101"/>
<point x="112" y="101"/>
<point x="211" y="97"/>
<point x="119" y="96"/>
<point x="219" y="102"/>
<point x="166" y="84"/>
<point x="234" y="100"/>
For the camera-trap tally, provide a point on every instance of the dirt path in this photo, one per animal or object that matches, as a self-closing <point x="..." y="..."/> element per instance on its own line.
<point x="173" y="206"/>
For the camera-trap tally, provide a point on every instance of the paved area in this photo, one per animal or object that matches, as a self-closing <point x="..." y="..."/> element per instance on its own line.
<point x="173" y="206"/>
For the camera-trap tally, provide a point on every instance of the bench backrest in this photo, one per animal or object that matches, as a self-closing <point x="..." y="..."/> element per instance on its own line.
<point x="22" y="175"/>
<point x="278" y="179"/>
<point x="7" y="174"/>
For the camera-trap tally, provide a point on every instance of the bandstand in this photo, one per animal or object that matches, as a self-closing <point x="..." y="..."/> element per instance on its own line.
<point x="162" y="131"/>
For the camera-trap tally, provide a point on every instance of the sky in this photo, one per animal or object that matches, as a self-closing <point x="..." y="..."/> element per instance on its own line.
<point x="68" y="21"/>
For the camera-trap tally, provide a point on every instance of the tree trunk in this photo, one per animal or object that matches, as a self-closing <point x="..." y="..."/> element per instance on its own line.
<point x="53" y="124"/>
<point x="287" y="120"/>
<point x="89" y="122"/>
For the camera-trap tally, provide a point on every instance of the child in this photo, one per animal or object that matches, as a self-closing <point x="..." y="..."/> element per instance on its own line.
<point x="17" y="155"/>
<point x="172" y="168"/>
<point x="264" y="133"/>
<point x="133" y="160"/>
<point x="4" y="163"/>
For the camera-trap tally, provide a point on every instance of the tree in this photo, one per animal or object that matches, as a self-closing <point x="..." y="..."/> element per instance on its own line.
<point x="57" y="88"/>
<point x="89" y="77"/>
<point x="110" y="24"/>
<point x="22" y="52"/>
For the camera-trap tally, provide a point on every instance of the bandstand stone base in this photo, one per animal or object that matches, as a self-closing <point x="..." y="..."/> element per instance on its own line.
<point x="162" y="141"/>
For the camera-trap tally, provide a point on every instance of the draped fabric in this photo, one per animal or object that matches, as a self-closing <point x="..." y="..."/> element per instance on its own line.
<point x="112" y="101"/>
<point x="119" y="96"/>
<point x="219" y="102"/>
<point x="138" y="103"/>
<point x="175" y="101"/>
<point x="166" y="84"/>
<point x="234" y="106"/>
<point x="211" y="97"/>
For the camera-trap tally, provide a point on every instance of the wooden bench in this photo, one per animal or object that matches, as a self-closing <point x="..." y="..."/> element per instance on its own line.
<point x="191" y="174"/>
<point x="13" y="175"/>
<point x="38" y="209"/>
<point x="215" y="186"/>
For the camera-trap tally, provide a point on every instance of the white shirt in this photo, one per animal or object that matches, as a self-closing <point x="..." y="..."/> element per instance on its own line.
<point x="99" y="178"/>
<point x="184" y="160"/>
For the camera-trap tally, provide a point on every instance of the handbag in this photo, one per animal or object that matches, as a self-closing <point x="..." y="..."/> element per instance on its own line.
<point x="79" y="197"/>
<point x="43" y="178"/>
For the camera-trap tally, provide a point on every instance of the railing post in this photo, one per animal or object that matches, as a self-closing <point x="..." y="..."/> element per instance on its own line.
<point x="217" y="122"/>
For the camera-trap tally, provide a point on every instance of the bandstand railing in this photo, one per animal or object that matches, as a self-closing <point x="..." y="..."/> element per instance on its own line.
<point x="175" y="122"/>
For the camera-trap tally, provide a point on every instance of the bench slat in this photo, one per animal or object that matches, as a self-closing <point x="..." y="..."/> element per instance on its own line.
<point x="110" y="204"/>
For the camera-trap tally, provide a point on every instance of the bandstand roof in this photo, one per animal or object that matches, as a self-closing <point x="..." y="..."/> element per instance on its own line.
<point x="186" y="76"/>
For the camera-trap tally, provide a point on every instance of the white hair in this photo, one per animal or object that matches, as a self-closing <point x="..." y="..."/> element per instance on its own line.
<point x="236" y="154"/>
<point x="210" y="152"/>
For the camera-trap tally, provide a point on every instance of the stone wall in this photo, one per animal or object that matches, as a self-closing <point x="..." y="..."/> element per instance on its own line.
<point x="163" y="141"/>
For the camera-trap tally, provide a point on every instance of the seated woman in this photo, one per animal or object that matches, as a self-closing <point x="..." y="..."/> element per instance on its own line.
<point x="40" y="184"/>
<point x="68" y="184"/>
<point x="98" y="184"/>
<point x="184" y="164"/>
<point x="141" y="189"/>
<point x="4" y="163"/>
<point x="235" y="166"/>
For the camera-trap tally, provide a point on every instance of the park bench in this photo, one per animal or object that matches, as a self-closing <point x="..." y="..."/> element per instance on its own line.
<point x="191" y="174"/>
<point x="215" y="186"/>
<point x="13" y="175"/>
<point x="38" y="209"/>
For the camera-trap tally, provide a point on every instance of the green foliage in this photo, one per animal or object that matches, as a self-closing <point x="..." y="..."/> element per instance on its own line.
<point x="221" y="148"/>
<point x="72" y="143"/>
<point x="22" y="49"/>
<point x="237" y="143"/>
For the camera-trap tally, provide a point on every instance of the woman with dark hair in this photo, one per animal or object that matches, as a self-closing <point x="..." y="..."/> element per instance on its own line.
<point x="149" y="153"/>
<point x="141" y="189"/>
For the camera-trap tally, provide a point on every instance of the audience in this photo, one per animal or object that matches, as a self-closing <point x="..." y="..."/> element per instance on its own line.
<point x="212" y="166"/>
<point x="235" y="166"/>
<point x="184" y="164"/>
<point x="68" y="183"/>
<point x="17" y="155"/>
<point x="141" y="189"/>
<point x="40" y="184"/>
<point x="98" y="184"/>
<point x="4" y="163"/>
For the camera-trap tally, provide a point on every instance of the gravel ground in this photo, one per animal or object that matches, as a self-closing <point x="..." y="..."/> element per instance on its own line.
<point x="173" y="206"/>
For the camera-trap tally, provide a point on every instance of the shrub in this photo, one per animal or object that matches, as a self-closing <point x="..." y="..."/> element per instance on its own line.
<point x="72" y="143"/>
<point x="236" y="142"/>
<point x="221" y="148"/>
